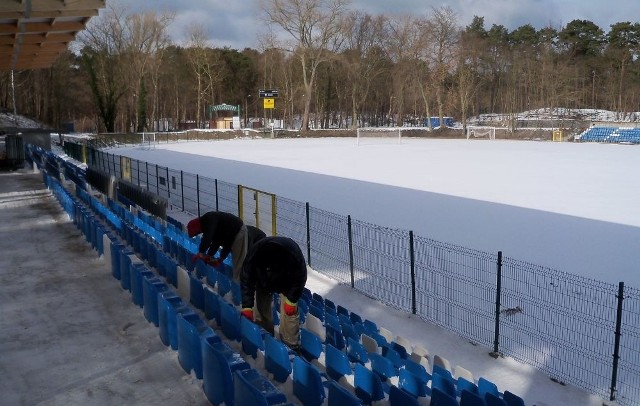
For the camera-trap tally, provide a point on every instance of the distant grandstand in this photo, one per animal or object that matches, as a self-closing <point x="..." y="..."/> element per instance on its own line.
<point x="613" y="135"/>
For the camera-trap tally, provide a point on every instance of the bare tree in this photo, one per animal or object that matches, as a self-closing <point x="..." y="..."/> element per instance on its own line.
<point x="199" y="56"/>
<point x="364" y="59"/>
<point x="315" y="27"/>
<point x="442" y="34"/>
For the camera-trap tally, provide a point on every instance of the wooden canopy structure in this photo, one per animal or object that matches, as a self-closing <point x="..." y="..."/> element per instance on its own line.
<point x="34" y="32"/>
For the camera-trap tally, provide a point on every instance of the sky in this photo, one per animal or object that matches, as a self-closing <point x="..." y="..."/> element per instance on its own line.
<point x="568" y="206"/>
<point x="237" y="24"/>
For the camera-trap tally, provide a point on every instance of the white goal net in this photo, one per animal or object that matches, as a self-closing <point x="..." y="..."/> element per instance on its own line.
<point x="487" y="133"/>
<point x="378" y="135"/>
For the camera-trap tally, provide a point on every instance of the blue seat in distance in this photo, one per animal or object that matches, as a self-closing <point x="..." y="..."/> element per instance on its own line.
<point x="219" y="363"/>
<point x="252" y="337"/>
<point x="465" y="384"/>
<point x="252" y="389"/>
<point x="512" y="399"/>
<point x="229" y="320"/>
<point x="444" y="384"/>
<point x="356" y="351"/>
<point x="310" y="345"/>
<point x="307" y="383"/>
<point x="337" y="363"/>
<point x="382" y="366"/>
<point x="342" y="310"/>
<point x="492" y="399"/>
<point x="417" y="369"/>
<point x="486" y="386"/>
<point x="276" y="358"/>
<point x="334" y="337"/>
<point x="339" y="396"/>
<point x="211" y="305"/>
<point x="412" y="384"/>
<point x="367" y="384"/>
<point x="440" y="398"/>
<point x="468" y="398"/>
<point x="191" y="330"/>
<point x="398" y="397"/>
<point x="151" y="287"/>
<point x="196" y="292"/>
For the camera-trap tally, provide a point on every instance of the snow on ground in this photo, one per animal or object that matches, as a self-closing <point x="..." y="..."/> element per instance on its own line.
<point x="567" y="206"/>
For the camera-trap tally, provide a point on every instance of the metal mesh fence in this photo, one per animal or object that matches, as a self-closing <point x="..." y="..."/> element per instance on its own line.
<point x="564" y="325"/>
<point x="456" y="288"/>
<point x="329" y="240"/>
<point x="381" y="264"/>
<point x="628" y="379"/>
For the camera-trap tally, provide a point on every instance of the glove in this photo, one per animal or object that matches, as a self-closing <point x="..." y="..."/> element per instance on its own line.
<point x="290" y="308"/>
<point x="201" y="256"/>
<point x="248" y="313"/>
<point x="214" y="262"/>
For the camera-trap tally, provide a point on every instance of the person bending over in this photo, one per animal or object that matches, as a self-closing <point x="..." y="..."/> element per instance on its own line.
<point x="220" y="230"/>
<point x="274" y="265"/>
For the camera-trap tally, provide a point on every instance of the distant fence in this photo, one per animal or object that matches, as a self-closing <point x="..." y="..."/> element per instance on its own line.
<point x="574" y="329"/>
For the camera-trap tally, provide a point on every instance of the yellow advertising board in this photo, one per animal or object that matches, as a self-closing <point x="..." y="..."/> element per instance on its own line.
<point x="269" y="103"/>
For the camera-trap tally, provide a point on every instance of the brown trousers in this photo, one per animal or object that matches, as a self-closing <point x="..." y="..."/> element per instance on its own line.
<point x="289" y="325"/>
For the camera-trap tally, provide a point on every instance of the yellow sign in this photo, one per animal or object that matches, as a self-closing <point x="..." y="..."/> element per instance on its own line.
<point x="269" y="103"/>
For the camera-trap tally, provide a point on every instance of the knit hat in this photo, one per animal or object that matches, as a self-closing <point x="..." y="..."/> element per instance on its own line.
<point x="194" y="228"/>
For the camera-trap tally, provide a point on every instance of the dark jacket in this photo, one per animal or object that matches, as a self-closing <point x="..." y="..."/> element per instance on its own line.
<point x="219" y="229"/>
<point x="274" y="265"/>
<point x="254" y="234"/>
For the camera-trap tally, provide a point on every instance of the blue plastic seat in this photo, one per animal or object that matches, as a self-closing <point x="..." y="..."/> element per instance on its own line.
<point x="151" y="287"/>
<point x="224" y="284"/>
<point x="444" y="384"/>
<point x="398" y="397"/>
<point x="196" y="291"/>
<point x="370" y="326"/>
<point x="334" y="337"/>
<point x="211" y="305"/>
<point x="337" y="363"/>
<point x="412" y="384"/>
<point x="307" y="383"/>
<point x="393" y="356"/>
<point x="316" y="311"/>
<point x="332" y="320"/>
<point x="492" y="399"/>
<point x="382" y="366"/>
<point x="355" y="318"/>
<point x="169" y="305"/>
<point x="437" y="369"/>
<point x="276" y="358"/>
<point x="252" y="389"/>
<point x="512" y="399"/>
<point x="486" y="386"/>
<point x="310" y="345"/>
<point x="356" y="351"/>
<point x="229" y="320"/>
<point x="236" y="293"/>
<point x="440" y="398"/>
<point x="219" y="364"/>
<point x="339" y="396"/>
<point x="191" y="331"/>
<point x="342" y="310"/>
<point x="367" y="384"/>
<point x="348" y="331"/>
<point x="468" y="398"/>
<point x="252" y="337"/>
<point x="317" y="297"/>
<point x="464" y="384"/>
<point x="418" y="370"/>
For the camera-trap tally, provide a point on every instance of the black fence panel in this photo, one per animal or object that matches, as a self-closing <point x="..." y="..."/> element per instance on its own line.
<point x="560" y="323"/>
<point x="329" y="239"/>
<point x="628" y="382"/>
<point x="456" y="288"/>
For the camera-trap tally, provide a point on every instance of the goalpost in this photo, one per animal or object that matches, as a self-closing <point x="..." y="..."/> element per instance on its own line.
<point x="378" y="135"/>
<point x="481" y="133"/>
